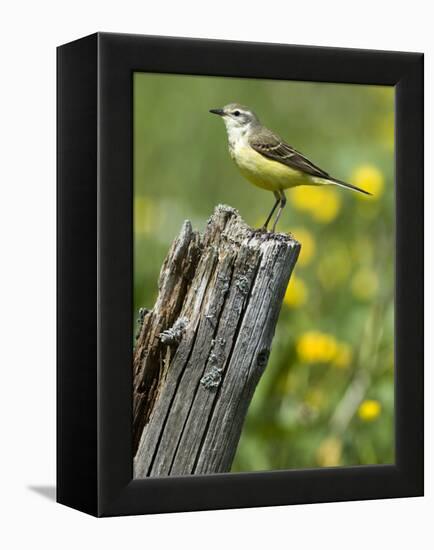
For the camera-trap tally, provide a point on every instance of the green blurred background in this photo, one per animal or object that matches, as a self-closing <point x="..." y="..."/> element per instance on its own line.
<point x="327" y="395"/>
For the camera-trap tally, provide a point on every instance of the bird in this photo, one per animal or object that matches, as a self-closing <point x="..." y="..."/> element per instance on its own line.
<point x="267" y="161"/>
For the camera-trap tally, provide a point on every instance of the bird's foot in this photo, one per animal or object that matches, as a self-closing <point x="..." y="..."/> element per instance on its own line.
<point x="262" y="229"/>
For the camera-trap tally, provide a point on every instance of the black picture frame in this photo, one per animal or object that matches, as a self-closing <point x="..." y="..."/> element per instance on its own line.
<point x="95" y="274"/>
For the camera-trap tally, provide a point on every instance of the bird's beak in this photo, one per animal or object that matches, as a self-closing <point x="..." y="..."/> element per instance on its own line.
<point x="217" y="111"/>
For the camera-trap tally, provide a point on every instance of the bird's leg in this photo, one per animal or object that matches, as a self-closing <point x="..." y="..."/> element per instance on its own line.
<point x="281" y="207"/>
<point x="278" y="199"/>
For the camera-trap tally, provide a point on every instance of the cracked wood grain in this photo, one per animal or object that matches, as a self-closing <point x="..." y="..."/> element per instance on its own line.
<point x="203" y="348"/>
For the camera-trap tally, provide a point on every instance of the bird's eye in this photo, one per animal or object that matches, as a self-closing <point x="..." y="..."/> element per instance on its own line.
<point x="236" y="113"/>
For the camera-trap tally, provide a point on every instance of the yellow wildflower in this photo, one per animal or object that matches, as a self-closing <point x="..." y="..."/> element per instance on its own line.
<point x="304" y="198"/>
<point x="364" y="284"/>
<point x="369" y="410"/>
<point x="329" y="452"/>
<point x="296" y="293"/>
<point x="323" y="203"/>
<point x="308" y="246"/>
<point x="316" y="347"/>
<point x="329" y="208"/>
<point x="370" y="178"/>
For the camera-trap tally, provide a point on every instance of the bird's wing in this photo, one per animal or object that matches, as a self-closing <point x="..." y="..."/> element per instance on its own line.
<point x="270" y="145"/>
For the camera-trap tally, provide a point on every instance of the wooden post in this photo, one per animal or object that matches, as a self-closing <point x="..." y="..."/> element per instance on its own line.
<point x="202" y="349"/>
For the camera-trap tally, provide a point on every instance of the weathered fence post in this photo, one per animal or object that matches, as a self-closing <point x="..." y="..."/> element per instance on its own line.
<point x="202" y="349"/>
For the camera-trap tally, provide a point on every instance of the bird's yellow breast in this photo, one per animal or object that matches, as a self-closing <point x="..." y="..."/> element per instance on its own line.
<point x="266" y="173"/>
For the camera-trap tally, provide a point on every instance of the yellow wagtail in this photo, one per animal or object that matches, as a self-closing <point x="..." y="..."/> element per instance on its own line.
<point x="266" y="160"/>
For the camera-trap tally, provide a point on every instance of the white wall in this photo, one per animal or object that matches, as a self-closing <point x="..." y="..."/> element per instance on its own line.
<point x="29" y="33"/>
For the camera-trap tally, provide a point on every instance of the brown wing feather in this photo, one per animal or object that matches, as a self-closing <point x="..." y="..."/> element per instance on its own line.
<point x="273" y="147"/>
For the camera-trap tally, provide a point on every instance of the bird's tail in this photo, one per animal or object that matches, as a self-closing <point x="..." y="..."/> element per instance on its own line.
<point x="348" y="186"/>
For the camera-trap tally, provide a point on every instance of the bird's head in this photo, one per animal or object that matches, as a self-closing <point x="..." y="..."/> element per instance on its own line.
<point x="236" y="117"/>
